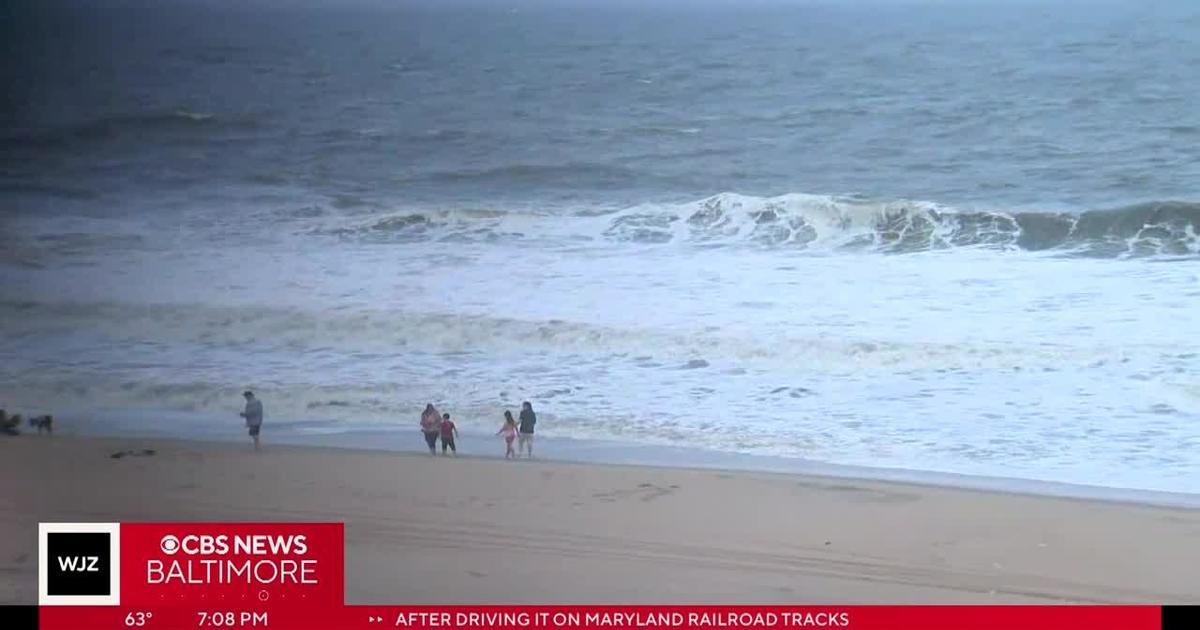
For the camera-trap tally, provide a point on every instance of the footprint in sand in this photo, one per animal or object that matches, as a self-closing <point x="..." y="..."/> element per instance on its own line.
<point x="871" y="495"/>
<point x="643" y="492"/>
<point x="146" y="452"/>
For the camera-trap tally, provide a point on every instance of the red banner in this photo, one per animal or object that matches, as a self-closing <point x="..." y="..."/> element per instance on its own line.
<point x="331" y="617"/>
<point x="298" y="564"/>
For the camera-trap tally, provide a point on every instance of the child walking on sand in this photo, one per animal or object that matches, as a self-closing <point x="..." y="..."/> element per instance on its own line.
<point x="449" y="432"/>
<point x="509" y="431"/>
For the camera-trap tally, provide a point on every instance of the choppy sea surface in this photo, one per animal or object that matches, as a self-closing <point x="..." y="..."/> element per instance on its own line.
<point x="956" y="238"/>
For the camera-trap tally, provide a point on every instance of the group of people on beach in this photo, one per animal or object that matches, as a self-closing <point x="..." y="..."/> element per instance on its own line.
<point x="436" y="425"/>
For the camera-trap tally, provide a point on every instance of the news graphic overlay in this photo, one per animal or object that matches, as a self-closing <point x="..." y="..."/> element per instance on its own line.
<point x="291" y="576"/>
<point x="79" y="564"/>
<point x="191" y="575"/>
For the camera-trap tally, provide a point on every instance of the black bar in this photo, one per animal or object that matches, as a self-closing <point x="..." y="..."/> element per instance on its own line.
<point x="1180" y="617"/>
<point x="18" y="617"/>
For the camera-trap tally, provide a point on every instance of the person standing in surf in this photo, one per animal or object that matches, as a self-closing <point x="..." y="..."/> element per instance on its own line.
<point x="528" y="419"/>
<point x="253" y="415"/>
<point x="431" y="426"/>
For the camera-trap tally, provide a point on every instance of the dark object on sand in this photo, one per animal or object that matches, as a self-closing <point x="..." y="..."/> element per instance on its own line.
<point x="42" y="423"/>
<point x="10" y="425"/>
<point x="146" y="452"/>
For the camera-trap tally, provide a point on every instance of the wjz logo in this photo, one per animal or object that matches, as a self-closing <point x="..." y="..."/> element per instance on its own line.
<point x="83" y="564"/>
<point x="78" y="563"/>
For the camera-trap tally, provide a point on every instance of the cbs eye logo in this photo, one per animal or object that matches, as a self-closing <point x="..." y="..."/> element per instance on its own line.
<point x="169" y="544"/>
<point x="79" y="564"/>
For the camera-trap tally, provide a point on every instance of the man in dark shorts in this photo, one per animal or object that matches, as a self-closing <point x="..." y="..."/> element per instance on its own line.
<point x="253" y="415"/>
<point x="525" y="436"/>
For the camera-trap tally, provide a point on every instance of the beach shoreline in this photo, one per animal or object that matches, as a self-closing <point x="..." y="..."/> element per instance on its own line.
<point x="424" y="529"/>
<point x="205" y="428"/>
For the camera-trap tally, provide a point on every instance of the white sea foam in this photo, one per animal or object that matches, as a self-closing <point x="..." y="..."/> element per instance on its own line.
<point x="809" y="222"/>
<point x="984" y="360"/>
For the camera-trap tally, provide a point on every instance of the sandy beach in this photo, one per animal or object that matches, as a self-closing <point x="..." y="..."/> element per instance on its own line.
<point x="477" y="530"/>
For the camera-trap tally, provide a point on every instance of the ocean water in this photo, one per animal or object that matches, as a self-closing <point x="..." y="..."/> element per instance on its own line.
<point x="947" y="237"/>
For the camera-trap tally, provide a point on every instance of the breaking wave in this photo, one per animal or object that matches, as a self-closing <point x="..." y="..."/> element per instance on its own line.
<point x="1164" y="228"/>
<point x="817" y="222"/>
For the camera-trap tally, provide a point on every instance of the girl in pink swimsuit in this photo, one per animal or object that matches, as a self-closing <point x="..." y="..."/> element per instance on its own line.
<point x="509" y="431"/>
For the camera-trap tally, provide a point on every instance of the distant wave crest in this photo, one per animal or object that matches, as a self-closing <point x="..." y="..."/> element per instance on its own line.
<point x="829" y="223"/>
<point x="1160" y="228"/>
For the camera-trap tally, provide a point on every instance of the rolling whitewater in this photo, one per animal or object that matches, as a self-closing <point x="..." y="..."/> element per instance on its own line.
<point x="854" y="236"/>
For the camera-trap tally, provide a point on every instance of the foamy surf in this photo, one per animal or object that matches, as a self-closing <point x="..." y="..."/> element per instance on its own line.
<point x="816" y="223"/>
<point x="969" y="360"/>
